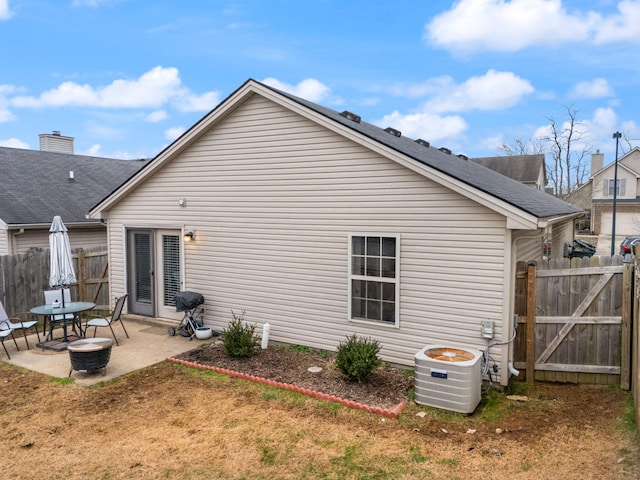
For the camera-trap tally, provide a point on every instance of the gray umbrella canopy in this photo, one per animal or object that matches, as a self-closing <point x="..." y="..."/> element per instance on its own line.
<point x="61" y="273"/>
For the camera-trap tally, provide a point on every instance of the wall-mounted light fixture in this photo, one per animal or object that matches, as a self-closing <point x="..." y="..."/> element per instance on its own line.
<point x="188" y="235"/>
<point x="182" y="201"/>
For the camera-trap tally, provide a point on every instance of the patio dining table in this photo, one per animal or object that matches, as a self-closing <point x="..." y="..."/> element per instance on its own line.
<point x="69" y="308"/>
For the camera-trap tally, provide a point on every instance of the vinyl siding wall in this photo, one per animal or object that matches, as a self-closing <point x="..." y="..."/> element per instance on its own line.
<point x="4" y="239"/>
<point x="562" y="234"/>
<point x="273" y="196"/>
<point x="78" y="238"/>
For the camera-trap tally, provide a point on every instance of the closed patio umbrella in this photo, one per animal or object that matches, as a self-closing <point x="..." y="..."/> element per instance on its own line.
<point x="61" y="273"/>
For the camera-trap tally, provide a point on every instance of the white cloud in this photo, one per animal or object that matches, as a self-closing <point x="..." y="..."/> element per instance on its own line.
<point x="596" y="88"/>
<point x="197" y="103"/>
<point x="94" y="150"/>
<point x="631" y="130"/>
<point x="14" y="143"/>
<point x="428" y="126"/>
<point x="6" y="115"/>
<point x="309" y="89"/>
<point x="622" y="26"/>
<point x="5" y="13"/>
<point x="491" y="91"/>
<point x="152" y="89"/>
<point x="173" y="133"/>
<point x="506" y="26"/>
<point x="602" y="120"/>
<point x="510" y="26"/>
<point x="156" y="116"/>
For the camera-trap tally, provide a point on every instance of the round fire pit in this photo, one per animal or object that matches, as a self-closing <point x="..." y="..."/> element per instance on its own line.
<point x="89" y="354"/>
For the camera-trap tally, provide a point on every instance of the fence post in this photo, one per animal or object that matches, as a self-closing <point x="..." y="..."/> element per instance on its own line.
<point x="531" y="325"/>
<point x="625" y="340"/>
<point x="82" y="281"/>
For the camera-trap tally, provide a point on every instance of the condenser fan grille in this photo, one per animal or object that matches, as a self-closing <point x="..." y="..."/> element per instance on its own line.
<point x="449" y="354"/>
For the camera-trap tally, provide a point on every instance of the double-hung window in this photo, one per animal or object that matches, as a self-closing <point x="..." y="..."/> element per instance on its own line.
<point x="373" y="278"/>
<point x="612" y="187"/>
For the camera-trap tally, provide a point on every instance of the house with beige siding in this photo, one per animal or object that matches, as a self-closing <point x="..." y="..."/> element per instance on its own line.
<point x="600" y="192"/>
<point x="323" y="226"/>
<point x="37" y="185"/>
<point x="528" y="169"/>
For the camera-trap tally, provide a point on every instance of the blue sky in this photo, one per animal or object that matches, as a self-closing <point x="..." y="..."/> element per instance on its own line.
<point x="127" y="77"/>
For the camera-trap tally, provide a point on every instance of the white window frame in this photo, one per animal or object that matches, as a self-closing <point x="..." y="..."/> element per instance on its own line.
<point x="387" y="280"/>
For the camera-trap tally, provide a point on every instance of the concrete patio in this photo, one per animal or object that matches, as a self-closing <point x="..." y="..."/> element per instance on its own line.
<point x="149" y="343"/>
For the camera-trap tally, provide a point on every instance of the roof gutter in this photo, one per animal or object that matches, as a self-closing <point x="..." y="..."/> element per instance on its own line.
<point x="545" y="222"/>
<point x="39" y="226"/>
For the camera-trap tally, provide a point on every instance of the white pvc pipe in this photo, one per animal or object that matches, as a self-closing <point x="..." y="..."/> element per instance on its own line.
<point x="513" y="369"/>
<point x="265" y="335"/>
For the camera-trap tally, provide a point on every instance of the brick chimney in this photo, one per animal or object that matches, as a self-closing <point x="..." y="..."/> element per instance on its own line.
<point x="54" y="142"/>
<point x="597" y="161"/>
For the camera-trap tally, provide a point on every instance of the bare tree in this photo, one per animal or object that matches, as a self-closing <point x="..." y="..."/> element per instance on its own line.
<point x="631" y="143"/>
<point x="567" y="169"/>
<point x="566" y="153"/>
<point x="522" y="147"/>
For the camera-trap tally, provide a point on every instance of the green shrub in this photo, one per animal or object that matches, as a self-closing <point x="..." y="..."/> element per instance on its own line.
<point x="357" y="358"/>
<point x="238" y="339"/>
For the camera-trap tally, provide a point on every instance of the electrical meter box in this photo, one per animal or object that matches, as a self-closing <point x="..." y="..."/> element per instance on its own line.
<point x="487" y="329"/>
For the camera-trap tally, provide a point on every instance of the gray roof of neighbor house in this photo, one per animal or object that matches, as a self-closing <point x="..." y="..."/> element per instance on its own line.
<point x="535" y="202"/>
<point x="523" y="168"/>
<point x="35" y="185"/>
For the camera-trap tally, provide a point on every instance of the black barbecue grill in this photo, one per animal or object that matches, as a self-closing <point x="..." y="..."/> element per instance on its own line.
<point x="191" y="304"/>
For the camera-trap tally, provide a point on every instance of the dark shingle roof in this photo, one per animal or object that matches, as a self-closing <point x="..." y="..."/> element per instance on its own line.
<point x="532" y="201"/>
<point x="523" y="168"/>
<point x="35" y="185"/>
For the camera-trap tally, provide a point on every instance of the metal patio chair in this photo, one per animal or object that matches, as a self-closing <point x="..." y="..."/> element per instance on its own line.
<point x="16" y="323"/>
<point x="116" y="316"/>
<point x="50" y="296"/>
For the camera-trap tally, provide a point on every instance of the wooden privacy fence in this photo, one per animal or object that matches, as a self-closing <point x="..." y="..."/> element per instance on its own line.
<point x="575" y="320"/>
<point x="24" y="278"/>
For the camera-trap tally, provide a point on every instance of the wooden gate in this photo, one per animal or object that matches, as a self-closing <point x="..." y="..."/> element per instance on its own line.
<point x="575" y="320"/>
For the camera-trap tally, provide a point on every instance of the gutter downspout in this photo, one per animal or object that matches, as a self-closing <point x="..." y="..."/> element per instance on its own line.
<point x="14" y="243"/>
<point x="539" y="233"/>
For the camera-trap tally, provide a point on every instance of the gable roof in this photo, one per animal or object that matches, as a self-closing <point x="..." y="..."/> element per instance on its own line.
<point x="35" y="185"/>
<point x="523" y="168"/>
<point x="621" y="164"/>
<point x="533" y="203"/>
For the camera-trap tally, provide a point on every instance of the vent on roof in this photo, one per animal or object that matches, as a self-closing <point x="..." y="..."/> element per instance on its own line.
<point x="445" y="150"/>
<point x="422" y="142"/>
<point x="393" y="131"/>
<point x="351" y="116"/>
<point x="463" y="156"/>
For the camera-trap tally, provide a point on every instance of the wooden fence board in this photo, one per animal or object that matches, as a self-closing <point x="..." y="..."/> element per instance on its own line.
<point x="24" y="278"/>
<point x="580" y="330"/>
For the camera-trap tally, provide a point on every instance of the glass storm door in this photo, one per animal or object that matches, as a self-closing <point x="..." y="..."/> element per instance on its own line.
<point x="141" y="272"/>
<point x="155" y="272"/>
<point x="169" y="277"/>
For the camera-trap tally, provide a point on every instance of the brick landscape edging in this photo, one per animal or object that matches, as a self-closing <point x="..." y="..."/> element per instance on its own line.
<point x="389" y="413"/>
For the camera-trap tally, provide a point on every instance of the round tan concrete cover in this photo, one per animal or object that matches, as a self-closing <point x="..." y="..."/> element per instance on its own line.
<point x="90" y="344"/>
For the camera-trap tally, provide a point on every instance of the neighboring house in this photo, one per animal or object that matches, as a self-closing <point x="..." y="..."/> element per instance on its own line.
<point x="527" y="169"/>
<point x="37" y="185"/>
<point x="597" y="195"/>
<point x="325" y="226"/>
